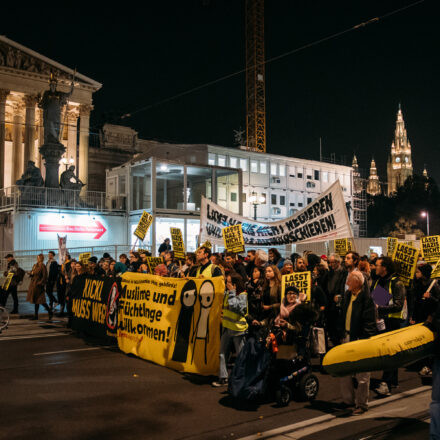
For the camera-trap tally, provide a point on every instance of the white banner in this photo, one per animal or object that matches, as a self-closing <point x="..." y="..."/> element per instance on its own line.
<point x="324" y="219"/>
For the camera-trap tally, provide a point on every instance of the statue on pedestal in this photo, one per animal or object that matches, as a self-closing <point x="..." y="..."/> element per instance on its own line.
<point x="31" y="176"/>
<point x="68" y="180"/>
<point x="52" y="149"/>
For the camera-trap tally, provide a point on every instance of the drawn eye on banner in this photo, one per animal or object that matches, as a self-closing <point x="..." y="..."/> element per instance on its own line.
<point x="185" y="321"/>
<point x="201" y="330"/>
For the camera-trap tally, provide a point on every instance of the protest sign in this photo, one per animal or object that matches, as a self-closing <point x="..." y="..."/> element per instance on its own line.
<point x="391" y="244"/>
<point x="172" y="322"/>
<point x="324" y="219"/>
<point x="342" y="246"/>
<point x="178" y="245"/>
<point x="301" y="280"/>
<point x="153" y="262"/>
<point x="94" y="305"/>
<point x="233" y="238"/>
<point x="430" y="247"/>
<point x="84" y="257"/>
<point x="7" y="281"/>
<point x="405" y="257"/>
<point x="143" y="225"/>
<point x="436" y="271"/>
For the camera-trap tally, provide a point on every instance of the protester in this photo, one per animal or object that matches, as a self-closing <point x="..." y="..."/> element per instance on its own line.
<point x="287" y="267"/>
<point x="393" y="313"/>
<point x="77" y="274"/>
<point x="364" y="267"/>
<point x="206" y="269"/>
<point x="351" y="261"/>
<point x="165" y="246"/>
<point x="14" y="268"/>
<point x="124" y="260"/>
<point x="190" y="269"/>
<point x="300" y="264"/>
<point x="254" y="289"/>
<point x="93" y="268"/>
<point x="231" y="258"/>
<point x="170" y="263"/>
<point x="135" y="262"/>
<point x="233" y="322"/>
<point x="261" y="258"/>
<point x="271" y="293"/>
<point x="373" y="275"/>
<point x="359" y="321"/>
<point x="63" y="283"/>
<point x="250" y="263"/>
<point x="275" y="258"/>
<point x="52" y="277"/>
<point x="36" y="294"/>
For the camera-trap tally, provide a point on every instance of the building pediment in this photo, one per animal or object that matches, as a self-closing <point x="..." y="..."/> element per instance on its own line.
<point x="17" y="59"/>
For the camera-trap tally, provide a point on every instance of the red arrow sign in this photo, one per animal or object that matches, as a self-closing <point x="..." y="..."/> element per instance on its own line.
<point x="99" y="229"/>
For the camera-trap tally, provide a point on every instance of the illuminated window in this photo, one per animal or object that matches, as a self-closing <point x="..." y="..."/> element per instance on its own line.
<point x="211" y="159"/>
<point x="221" y="161"/>
<point x="243" y="164"/>
<point x="254" y="166"/>
<point x="263" y="167"/>
<point x="282" y="169"/>
<point x="233" y="162"/>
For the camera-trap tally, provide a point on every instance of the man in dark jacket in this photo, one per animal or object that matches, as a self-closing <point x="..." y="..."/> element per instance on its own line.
<point x="165" y="246"/>
<point x="12" y="289"/>
<point x="231" y="258"/>
<point x="393" y="314"/>
<point x="52" y="277"/>
<point x="359" y="322"/>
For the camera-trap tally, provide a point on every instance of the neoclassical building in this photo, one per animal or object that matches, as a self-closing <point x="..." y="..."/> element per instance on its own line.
<point x="24" y="76"/>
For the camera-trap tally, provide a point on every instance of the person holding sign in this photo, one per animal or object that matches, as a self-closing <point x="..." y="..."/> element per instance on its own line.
<point x="17" y="277"/>
<point x="392" y="312"/>
<point x="254" y="289"/>
<point x="206" y="269"/>
<point x="271" y="293"/>
<point x="233" y="322"/>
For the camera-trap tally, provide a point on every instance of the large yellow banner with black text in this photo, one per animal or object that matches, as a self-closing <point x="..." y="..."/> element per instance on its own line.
<point x="172" y="322"/>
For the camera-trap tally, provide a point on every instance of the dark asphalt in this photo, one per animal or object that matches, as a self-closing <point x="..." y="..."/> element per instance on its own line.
<point x="104" y="394"/>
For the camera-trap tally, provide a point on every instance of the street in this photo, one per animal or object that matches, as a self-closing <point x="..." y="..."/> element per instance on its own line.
<point x="56" y="384"/>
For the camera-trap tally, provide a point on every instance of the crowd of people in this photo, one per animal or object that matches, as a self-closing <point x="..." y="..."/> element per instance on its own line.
<point x="341" y="300"/>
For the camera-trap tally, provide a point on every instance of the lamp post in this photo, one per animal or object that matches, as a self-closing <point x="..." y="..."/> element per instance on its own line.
<point x="426" y="214"/>
<point x="64" y="161"/>
<point x="256" y="200"/>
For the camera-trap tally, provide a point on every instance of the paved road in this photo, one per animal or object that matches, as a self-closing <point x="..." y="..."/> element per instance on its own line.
<point x="57" y="385"/>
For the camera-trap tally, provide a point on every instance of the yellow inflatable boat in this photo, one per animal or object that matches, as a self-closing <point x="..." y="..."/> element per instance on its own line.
<point x="382" y="352"/>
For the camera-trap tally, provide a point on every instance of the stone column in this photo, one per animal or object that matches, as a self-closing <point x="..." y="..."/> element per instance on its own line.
<point x="84" y="125"/>
<point x="39" y="159"/>
<point x="29" y="134"/>
<point x="3" y="95"/>
<point x="72" y="118"/>
<point x="17" y="142"/>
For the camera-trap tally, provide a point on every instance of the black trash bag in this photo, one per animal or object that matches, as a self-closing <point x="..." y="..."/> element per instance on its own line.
<point x="249" y="376"/>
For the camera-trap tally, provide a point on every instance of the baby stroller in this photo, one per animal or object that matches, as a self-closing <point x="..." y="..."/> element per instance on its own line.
<point x="291" y="369"/>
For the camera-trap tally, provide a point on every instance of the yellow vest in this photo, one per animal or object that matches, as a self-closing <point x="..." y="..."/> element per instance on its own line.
<point x="401" y="313"/>
<point x="232" y="320"/>
<point x="207" y="272"/>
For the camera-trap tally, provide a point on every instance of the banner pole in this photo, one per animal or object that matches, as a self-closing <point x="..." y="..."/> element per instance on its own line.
<point x="135" y="243"/>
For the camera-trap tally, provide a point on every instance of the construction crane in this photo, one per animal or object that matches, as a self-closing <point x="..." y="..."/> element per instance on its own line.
<point x="255" y="77"/>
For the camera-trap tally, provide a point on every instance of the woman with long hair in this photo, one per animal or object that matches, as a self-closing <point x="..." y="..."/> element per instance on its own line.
<point x="271" y="292"/>
<point x="254" y="289"/>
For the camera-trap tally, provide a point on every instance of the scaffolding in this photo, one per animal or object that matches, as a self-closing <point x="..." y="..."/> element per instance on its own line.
<point x="360" y="208"/>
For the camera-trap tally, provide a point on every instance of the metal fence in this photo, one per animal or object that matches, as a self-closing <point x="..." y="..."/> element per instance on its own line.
<point x="26" y="258"/>
<point x="41" y="197"/>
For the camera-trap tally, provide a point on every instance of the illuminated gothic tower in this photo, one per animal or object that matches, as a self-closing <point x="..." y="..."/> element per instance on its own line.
<point x="357" y="181"/>
<point x="399" y="166"/>
<point x="373" y="185"/>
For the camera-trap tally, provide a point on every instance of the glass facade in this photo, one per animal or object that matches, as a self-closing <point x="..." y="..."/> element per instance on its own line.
<point x="198" y="184"/>
<point x="169" y="186"/>
<point x="140" y="187"/>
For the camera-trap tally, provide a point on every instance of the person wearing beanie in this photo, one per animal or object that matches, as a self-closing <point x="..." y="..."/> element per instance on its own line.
<point x="287" y="267"/>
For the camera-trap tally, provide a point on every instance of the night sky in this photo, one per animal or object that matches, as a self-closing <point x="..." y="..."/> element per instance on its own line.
<point x="345" y="90"/>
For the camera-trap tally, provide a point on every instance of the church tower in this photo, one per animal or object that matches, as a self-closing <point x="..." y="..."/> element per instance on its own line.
<point x="373" y="185"/>
<point x="399" y="166"/>
<point x="357" y="181"/>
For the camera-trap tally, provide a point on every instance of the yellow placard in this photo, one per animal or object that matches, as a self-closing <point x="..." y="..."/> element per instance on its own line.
<point x="301" y="280"/>
<point x="391" y="244"/>
<point x="84" y="257"/>
<point x="436" y="271"/>
<point x="143" y="225"/>
<point x="153" y="262"/>
<point x="7" y="281"/>
<point x="233" y="238"/>
<point x="405" y="257"/>
<point x="178" y="245"/>
<point x="172" y="322"/>
<point x="430" y="247"/>
<point x="342" y="246"/>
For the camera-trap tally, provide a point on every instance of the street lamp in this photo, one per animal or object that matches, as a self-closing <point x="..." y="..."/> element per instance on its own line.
<point x="64" y="161"/>
<point x="256" y="200"/>
<point x="426" y="214"/>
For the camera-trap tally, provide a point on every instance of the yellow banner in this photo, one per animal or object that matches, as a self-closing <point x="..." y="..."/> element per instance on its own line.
<point x="430" y="247"/>
<point x="342" y="246"/>
<point x="405" y="257"/>
<point x="143" y="225"/>
<point x="84" y="257"/>
<point x="178" y="245"/>
<point x="391" y="245"/>
<point x="233" y="238"/>
<point x="7" y="281"/>
<point x="153" y="262"/>
<point x="436" y="271"/>
<point x="172" y="322"/>
<point x="301" y="280"/>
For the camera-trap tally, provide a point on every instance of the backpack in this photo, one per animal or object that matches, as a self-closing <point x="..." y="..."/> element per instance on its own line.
<point x="20" y="275"/>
